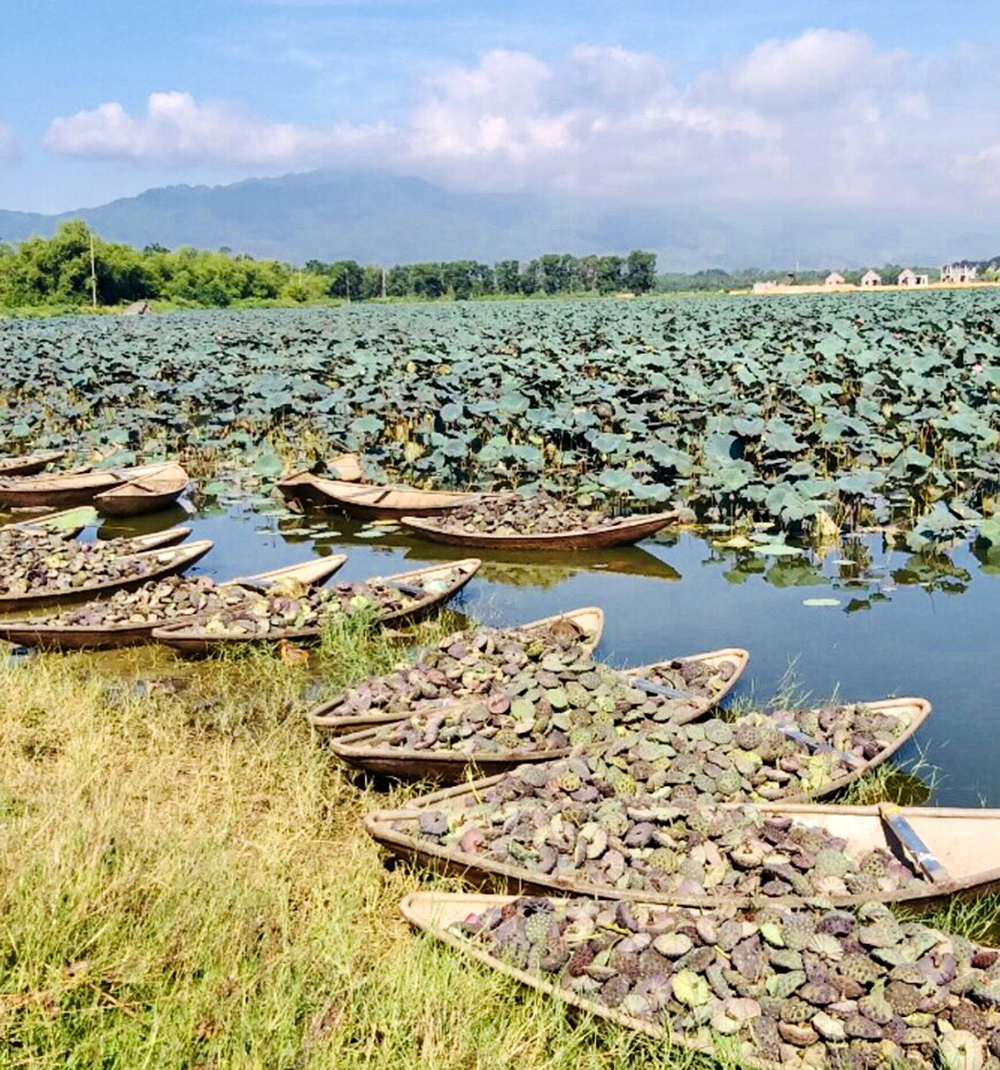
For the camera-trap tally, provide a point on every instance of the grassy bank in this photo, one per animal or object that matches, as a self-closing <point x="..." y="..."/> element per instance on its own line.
<point x="185" y="883"/>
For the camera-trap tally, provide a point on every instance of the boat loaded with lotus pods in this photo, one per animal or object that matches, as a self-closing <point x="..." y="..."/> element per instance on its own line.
<point x="461" y="665"/>
<point x="565" y="699"/>
<point x="692" y="848"/>
<point x="41" y="562"/>
<point x="516" y="514"/>
<point x="814" y="987"/>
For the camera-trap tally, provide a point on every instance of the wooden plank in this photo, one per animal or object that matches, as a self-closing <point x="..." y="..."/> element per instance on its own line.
<point x="914" y="846"/>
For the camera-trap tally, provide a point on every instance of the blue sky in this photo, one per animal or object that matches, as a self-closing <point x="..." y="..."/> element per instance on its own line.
<point x="719" y="103"/>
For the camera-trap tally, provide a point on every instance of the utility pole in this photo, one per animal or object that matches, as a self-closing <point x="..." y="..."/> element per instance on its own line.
<point x="383" y="282"/>
<point x="93" y="272"/>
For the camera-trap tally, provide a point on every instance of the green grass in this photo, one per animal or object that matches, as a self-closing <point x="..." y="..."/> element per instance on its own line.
<point x="184" y="883"/>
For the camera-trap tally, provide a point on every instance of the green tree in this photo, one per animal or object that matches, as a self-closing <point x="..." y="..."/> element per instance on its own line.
<point x="552" y="268"/>
<point x="458" y="277"/>
<point x="640" y="271"/>
<point x="531" y="277"/>
<point x="588" y="270"/>
<point x="426" y="280"/>
<point x="609" y="274"/>
<point x="508" y="276"/>
<point x="346" y="280"/>
<point x="483" y="280"/>
<point x="398" y="282"/>
<point x="371" y="281"/>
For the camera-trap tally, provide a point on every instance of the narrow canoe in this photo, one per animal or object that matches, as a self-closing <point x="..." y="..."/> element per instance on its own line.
<point x="451" y="767"/>
<point x="454" y="768"/>
<point x="155" y="540"/>
<point x="299" y="486"/>
<point x="367" y="501"/>
<point x="590" y="622"/>
<point x="628" y="531"/>
<point x="68" y="522"/>
<point x="433" y="912"/>
<point x="959" y="840"/>
<point x="30" y="465"/>
<point x="62" y="491"/>
<point x="146" y="495"/>
<point x="196" y="641"/>
<point x="56" y="636"/>
<point x="169" y="561"/>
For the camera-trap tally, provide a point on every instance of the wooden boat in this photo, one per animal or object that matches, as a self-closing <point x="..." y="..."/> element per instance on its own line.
<point x="147" y="494"/>
<point x="298" y="487"/>
<point x="628" y="531"/>
<point x="368" y="501"/>
<point x="30" y="465"/>
<point x="956" y="839"/>
<point x="434" y="913"/>
<point x="155" y="540"/>
<point x="590" y="622"/>
<point x="169" y="561"/>
<point x="66" y="489"/>
<point x="195" y="640"/>
<point x="68" y="522"/>
<point x="56" y="636"/>
<point x="451" y="768"/>
<point x="360" y="749"/>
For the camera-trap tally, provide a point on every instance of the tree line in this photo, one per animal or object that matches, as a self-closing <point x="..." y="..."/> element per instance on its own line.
<point x="76" y="267"/>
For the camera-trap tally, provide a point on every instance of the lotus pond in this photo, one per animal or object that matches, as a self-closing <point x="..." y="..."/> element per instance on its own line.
<point x="856" y="621"/>
<point x="875" y="410"/>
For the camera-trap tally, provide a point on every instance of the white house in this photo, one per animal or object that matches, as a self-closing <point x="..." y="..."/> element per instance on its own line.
<point x="959" y="273"/>
<point x="834" y="279"/>
<point x="908" y="277"/>
<point x="871" y="278"/>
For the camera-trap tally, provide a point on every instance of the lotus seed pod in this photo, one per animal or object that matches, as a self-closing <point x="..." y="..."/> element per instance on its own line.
<point x="800" y="1034"/>
<point x="968" y="1017"/>
<point x="796" y="1010"/>
<point x="673" y="945"/>
<point x="663" y="859"/>
<point x="782" y="985"/>
<point x="905" y="999"/>
<point x="875" y="1006"/>
<point x="828" y="1026"/>
<point x="690" y="989"/>
<point x="960" y="1050"/>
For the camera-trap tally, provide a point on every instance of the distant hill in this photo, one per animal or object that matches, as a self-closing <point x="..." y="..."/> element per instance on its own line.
<point x="331" y="215"/>
<point x="377" y="218"/>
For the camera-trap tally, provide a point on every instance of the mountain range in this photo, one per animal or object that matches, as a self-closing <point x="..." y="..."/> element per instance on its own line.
<point x="373" y="217"/>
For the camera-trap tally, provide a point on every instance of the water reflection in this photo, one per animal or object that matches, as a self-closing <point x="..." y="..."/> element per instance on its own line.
<point x="518" y="567"/>
<point x="859" y="619"/>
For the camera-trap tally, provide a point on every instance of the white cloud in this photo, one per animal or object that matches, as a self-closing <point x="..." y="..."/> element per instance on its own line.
<point x="179" y="130"/>
<point x="982" y="169"/>
<point x="815" y="67"/>
<point x="10" y="148"/>
<point x="822" y="118"/>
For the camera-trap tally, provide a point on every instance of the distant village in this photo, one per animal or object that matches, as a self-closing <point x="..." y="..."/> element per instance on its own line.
<point x="961" y="273"/>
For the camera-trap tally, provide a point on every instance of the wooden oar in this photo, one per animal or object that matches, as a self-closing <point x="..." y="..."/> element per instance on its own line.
<point x="658" y="689"/>
<point x="815" y="744"/>
<point x="911" y="842"/>
<point x="408" y="588"/>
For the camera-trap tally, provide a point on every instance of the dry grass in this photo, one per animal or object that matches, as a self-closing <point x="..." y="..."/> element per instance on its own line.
<point x="185" y="883"/>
